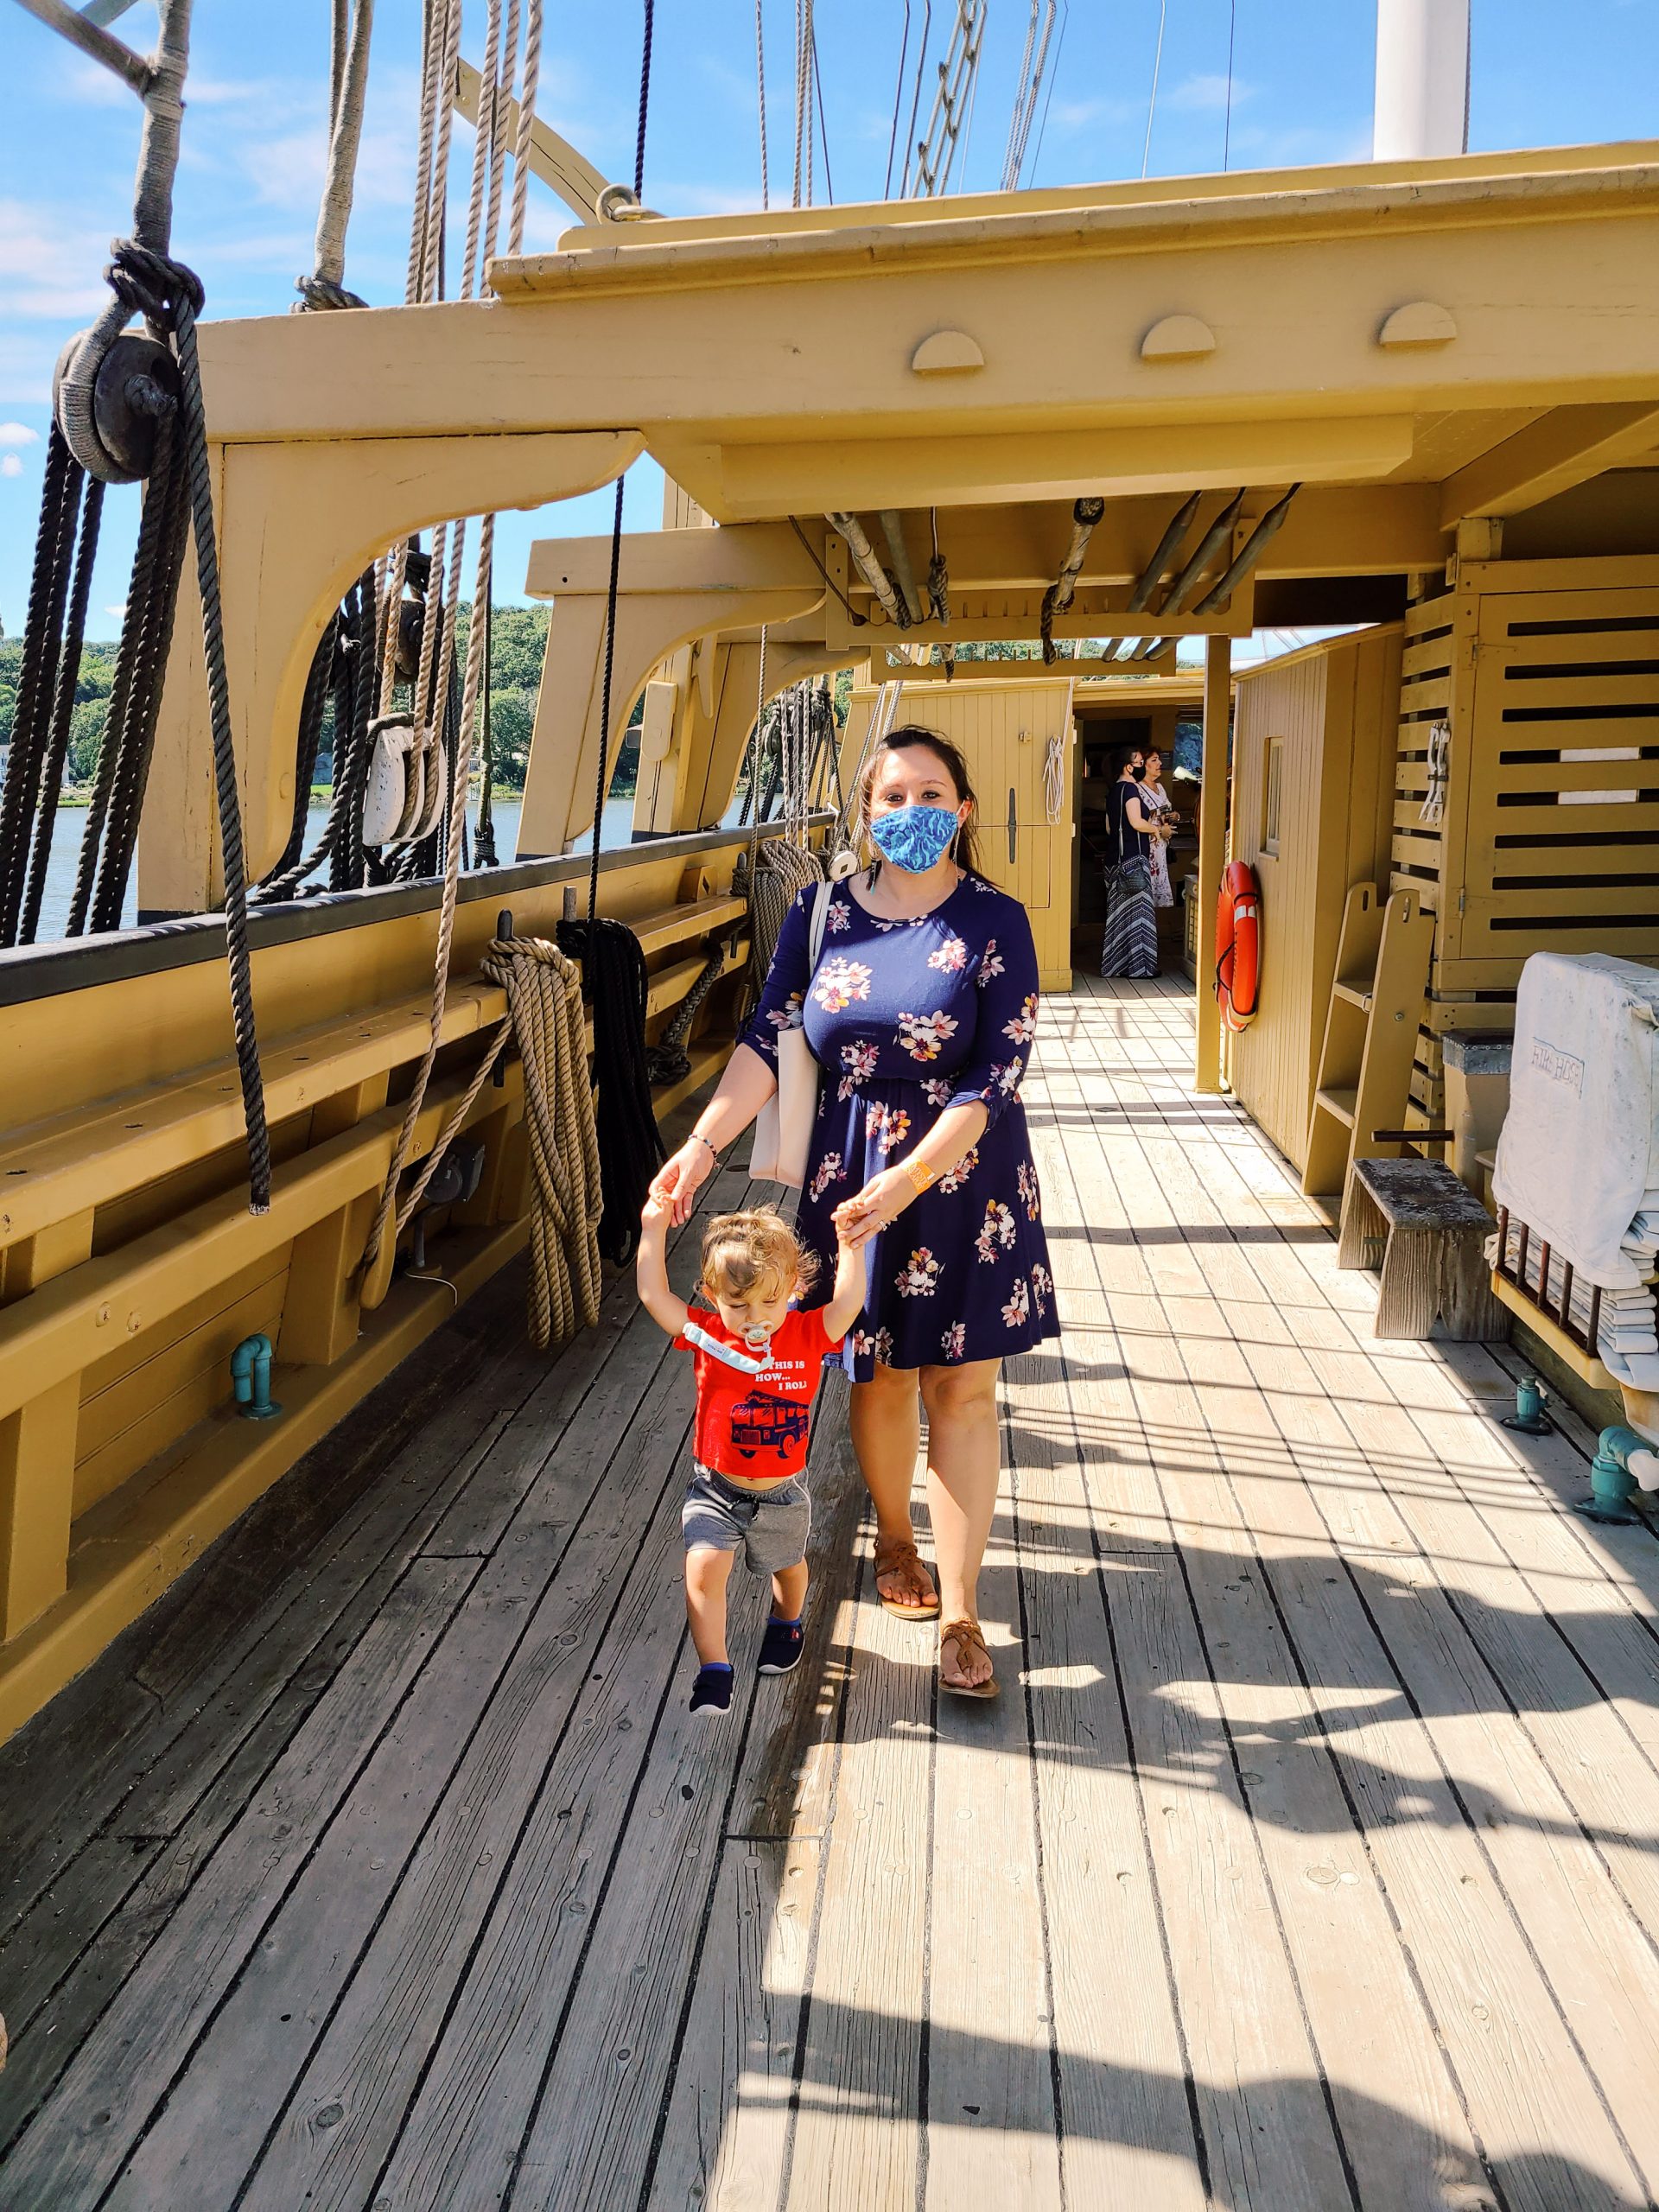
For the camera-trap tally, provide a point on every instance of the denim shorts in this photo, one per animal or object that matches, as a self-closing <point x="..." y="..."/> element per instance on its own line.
<point x="770" y="1527"/>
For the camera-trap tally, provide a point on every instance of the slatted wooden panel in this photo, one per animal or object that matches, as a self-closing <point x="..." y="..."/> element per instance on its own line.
<point x="1563" y="841"/>
<point x="1426" y="680"/>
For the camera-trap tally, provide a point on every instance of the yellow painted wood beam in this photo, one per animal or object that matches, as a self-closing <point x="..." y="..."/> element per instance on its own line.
<point x="712" y="342"/>
<point x="82" y="1314"/>
<point x="125" y="1552"/>
<point x="297" y="527"/>
<point x="1564" y="447"/>
<point x="553" y="159"/>
<point x="1212" y="854"/>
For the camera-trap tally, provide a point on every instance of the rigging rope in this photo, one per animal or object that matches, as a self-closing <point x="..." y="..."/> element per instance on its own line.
<point x="802" y="105"/>
<point x="898" y="101"/>
<point x="1157" y="64"/>
<point x="1033" y="62"/>
<point x="760" y="89"/>
<point x="325" y="287"/>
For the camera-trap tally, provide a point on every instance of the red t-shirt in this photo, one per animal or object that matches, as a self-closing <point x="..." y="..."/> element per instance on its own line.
<point x="755" y="1426"/>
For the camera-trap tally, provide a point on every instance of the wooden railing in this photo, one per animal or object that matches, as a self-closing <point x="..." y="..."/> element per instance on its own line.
<point x="130" y="1265"/>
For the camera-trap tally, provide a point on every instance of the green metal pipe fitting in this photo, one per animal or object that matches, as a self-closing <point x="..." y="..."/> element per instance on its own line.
<point x="250" y="1379"/>
<point x="1624" y="1463"/>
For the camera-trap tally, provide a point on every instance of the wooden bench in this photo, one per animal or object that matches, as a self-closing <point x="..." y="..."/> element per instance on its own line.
<point x="1429" y="1234"/>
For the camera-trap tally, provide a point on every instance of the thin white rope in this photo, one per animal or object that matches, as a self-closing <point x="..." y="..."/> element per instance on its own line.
<point x="1157" y="64"/>
<point x="803" y="103"/>
<point x="760" y="93"/>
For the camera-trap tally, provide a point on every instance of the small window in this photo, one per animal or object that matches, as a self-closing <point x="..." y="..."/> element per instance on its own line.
<point x="1272" y="790"/>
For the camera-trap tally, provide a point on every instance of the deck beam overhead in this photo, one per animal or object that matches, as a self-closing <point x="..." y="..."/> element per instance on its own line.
<point x="769" y="364"/>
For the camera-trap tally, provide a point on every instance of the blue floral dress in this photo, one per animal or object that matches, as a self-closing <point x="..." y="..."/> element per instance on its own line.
<point x="905" y="1018"/>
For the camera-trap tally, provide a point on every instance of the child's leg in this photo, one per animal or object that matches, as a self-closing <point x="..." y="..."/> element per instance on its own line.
<point x="706" y="1573"/>
<point x="789" y="1591"/>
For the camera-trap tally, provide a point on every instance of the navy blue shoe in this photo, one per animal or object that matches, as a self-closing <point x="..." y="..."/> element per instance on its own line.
<point x="781" y="1648"/>
<point x="712" y="1691"/>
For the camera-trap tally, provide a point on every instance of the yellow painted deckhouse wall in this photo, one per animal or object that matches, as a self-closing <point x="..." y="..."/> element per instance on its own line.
<point x="1331" y="708"/>
<point x="1005" y="731"/>
<point x="1543" y="673"/>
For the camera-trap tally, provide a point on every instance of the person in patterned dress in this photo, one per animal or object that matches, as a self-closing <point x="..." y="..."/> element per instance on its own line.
<point x="920" y="1015"/>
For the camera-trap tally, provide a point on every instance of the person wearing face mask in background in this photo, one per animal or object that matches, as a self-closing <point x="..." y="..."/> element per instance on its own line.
<point x="1160" y="810"/>
<point x="920" y="1014"/>
<point x="1130" y="946"/>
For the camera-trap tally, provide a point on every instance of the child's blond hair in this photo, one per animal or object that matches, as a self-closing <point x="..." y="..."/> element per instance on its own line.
<point x="742" y="1251"/>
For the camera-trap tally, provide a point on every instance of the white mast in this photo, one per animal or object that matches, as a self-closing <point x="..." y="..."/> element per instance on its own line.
<point x="1422" y="79"/>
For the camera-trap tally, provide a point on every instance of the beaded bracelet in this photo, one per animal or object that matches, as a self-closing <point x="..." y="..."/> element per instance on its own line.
<point x="713" y="1152"/>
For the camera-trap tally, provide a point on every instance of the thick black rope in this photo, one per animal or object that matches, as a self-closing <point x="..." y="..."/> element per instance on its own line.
<point x="134" y="694"/>
<point x="602" y="778"/>
<point x="169" y="296"/>
<point x="614" y="982"/>
<point x="644" y="104"/>
<point x="314" y="705"/>
<point x="151" y="644"/>
<point x="42" y="635"/>
<point x="63" y="712"/>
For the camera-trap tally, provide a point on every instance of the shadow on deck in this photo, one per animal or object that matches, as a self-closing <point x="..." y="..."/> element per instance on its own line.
<point x="1310" y="1858"/>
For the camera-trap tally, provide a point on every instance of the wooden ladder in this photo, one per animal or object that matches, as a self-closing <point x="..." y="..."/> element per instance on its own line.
<point x="1371" y="1036"/>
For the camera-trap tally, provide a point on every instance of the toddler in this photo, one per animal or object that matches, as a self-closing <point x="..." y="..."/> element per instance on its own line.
<point x="758" y="1359"/>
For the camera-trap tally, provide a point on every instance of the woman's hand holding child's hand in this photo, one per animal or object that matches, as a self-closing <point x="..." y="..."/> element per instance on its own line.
<point x="882" y="1199"/>
<point x="678" y="1181"/>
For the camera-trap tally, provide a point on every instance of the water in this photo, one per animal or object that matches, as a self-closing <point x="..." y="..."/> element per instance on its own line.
<point x="616" y="829"/>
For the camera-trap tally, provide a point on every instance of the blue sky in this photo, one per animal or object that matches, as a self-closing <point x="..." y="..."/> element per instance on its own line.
<point x="1544" y="73"/>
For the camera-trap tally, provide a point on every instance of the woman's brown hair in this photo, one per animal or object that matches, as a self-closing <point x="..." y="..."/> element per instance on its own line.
<point x="951" y="759"/>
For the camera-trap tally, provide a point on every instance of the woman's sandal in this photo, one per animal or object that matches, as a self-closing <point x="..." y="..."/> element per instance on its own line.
<point x="969" y="1644"/>
<point x="902" y="1558"/>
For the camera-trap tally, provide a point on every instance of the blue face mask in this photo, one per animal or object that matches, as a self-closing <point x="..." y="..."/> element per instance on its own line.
<point x="915" y="838"/>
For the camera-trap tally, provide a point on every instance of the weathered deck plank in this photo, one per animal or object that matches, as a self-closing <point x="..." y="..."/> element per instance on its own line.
<point x="1310" y="1856"/>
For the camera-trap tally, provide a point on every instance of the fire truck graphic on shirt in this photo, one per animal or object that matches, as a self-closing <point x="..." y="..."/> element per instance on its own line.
<point x="761" y="1422"/>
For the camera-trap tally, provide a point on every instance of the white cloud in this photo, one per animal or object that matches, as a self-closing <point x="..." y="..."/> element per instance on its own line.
<point x="48" y="268"/>
<point x="18" y="433"/>
<point x="1208" y="95"/>
<point x="10" y="465"/>
<point x="120" y="613"/>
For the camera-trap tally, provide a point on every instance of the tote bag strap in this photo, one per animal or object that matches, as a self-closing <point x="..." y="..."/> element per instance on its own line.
<point x="820" y="917"/>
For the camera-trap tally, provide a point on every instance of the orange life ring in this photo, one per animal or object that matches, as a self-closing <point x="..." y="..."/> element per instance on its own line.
<point x="1238" y="944"/>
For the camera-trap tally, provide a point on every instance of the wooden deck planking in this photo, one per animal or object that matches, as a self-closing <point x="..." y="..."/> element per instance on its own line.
<point x="1311" y="1856"/>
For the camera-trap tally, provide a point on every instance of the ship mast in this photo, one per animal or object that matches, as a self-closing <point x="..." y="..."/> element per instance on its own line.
<point x="1421" y="107"/>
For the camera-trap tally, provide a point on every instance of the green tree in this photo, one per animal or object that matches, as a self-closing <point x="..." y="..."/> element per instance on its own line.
<point x="512" y="719"/>
<point x="86" y="739"/>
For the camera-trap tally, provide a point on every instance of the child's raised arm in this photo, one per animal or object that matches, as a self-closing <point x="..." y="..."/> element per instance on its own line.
<point x="847" y="1299"/>
<point x="650" y="1270"/>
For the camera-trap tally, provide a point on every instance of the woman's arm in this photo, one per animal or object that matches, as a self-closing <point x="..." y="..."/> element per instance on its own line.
<point x="751" y="1074"/>
<point x="885" y="1197"/>
<point x="1138" y="820"/>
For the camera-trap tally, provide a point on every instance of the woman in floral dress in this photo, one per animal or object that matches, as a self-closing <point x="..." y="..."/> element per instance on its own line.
<point x="920" y="1015"/>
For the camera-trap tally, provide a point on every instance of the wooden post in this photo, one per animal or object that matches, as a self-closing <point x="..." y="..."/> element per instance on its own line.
<point x="37" y="1445"/>
<point x="322" y="1309"/>
<point x="1212" y="842"/>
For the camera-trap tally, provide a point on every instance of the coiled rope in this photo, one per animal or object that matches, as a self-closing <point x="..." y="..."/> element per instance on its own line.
<point x="781" y="868"/>
<point x="544" y="989"/>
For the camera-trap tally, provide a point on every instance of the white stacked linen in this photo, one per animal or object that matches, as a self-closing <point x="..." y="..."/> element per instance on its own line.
<point x="1578" y="1160"/>
<point x="1627" y="1326"/>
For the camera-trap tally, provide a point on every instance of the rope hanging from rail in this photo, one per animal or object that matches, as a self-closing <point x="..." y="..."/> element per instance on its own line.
<point x="544" y="1017"/>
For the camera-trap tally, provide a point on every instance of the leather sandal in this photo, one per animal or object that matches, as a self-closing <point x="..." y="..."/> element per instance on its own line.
<point x="969" y="1644"/>
<point x="901" y="1557"/>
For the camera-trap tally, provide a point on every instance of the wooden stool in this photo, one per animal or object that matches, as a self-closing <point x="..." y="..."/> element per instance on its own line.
<point x="1429" y="1234"/>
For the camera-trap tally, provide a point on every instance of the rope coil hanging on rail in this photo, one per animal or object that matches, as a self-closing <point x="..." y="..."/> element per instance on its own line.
<point x="544" y="1016"/>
